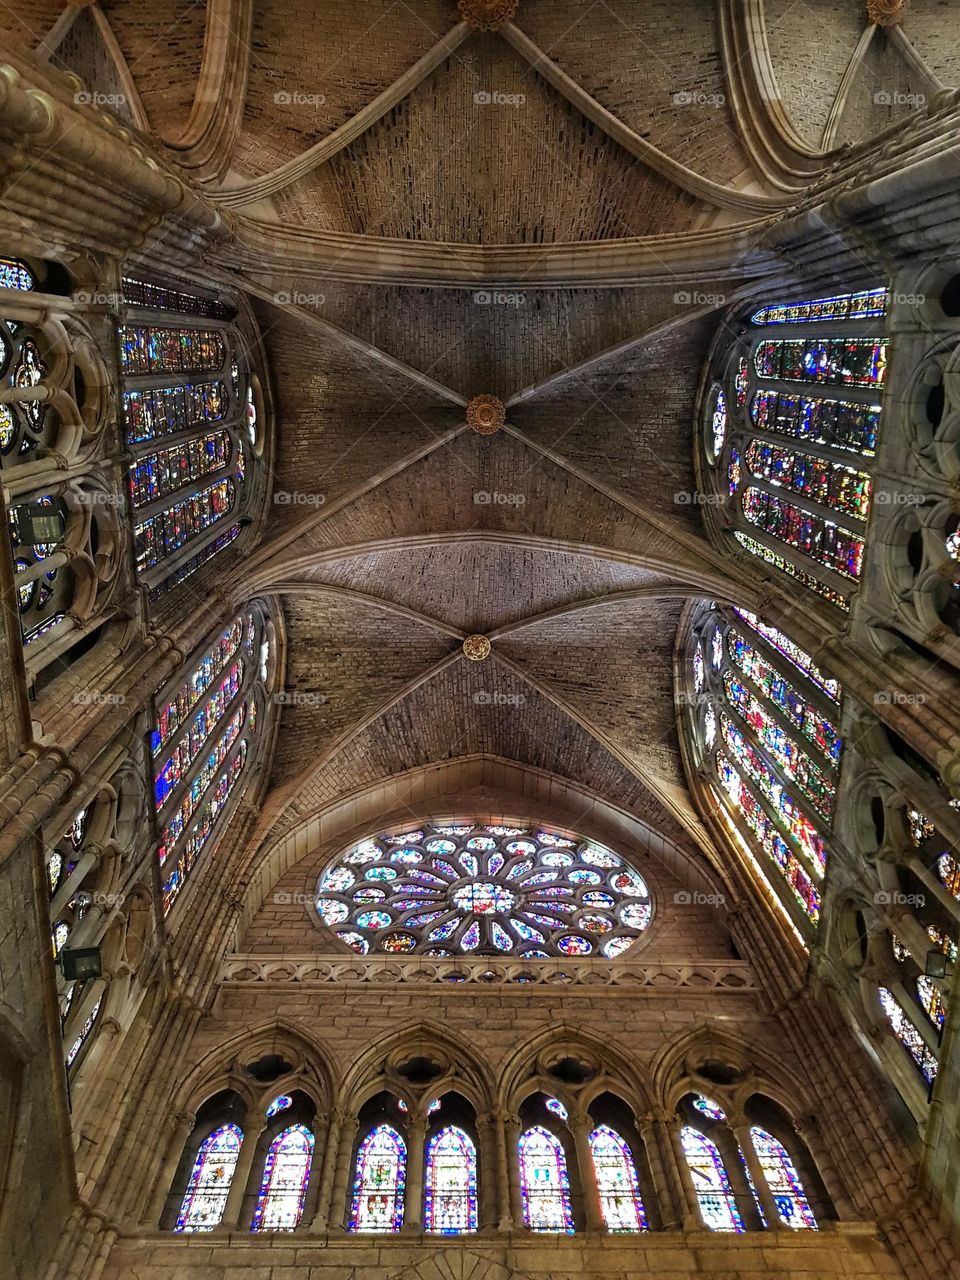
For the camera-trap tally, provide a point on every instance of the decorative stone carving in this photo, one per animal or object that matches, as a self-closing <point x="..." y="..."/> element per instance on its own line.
<point x="476" y="648"/>
<point x="486" y="414"/>
<point x="487" y="15"/>
<point x="886" y="13"/>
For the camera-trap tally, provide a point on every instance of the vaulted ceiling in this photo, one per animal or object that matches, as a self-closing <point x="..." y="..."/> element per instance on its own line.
<point x="354" y="133"/>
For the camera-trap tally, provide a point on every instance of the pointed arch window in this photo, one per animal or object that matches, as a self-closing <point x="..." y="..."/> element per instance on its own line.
<point x="616" y="1175"/>
<point x="206" y="1195"/>
<point x="200" y="743"/>
<point x="544" y="1185"/>
<point x="378" y="1187"/>
<point x="186" y="409"/>
<point x="791" y="429"/>
<point x="450" y="1182"/>
<point x="286" y="1173"/>
<point x="903" y="1027"/>
<point x="783" y="1180"/>
<point x="718" y="1206"/>
<point x="765" y="722"/>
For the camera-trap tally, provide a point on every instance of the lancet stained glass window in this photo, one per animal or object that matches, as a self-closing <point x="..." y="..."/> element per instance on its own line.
<point x="450" y="1183"/>
<point x="789" y="460"/>
<point x="783" y="1180"/>
<point x="471" y="887"/>
<point x="377" y="1203"/>
<point x="200" y="745"/>
<point x="718" y="1206"/>
<point x="616" y="1176"/>
<point x="544" y="1186"/>
<point x="903" y="1028"/>
<point x="767" y="719"/>
<point x="206" y="1195"/>
<point x="286" y="1173"/>
<point x="190" y="440"/>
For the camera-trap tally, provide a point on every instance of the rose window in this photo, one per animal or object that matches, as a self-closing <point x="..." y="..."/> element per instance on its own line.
<point x="462" y="888"/>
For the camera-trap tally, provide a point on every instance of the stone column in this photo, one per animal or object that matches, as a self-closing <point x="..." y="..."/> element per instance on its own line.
<point x="413" y="1190"/>
<point x="337" y="1209"/>
<point x="656" y="1144"/>
<point x="692" y="1218"/>
<point x="321" y="1218"/>
<point x="740" y="1127"/>
<point x="164" y="1184"/>
<point x="580" y="1126"/>
<point x="311" y="1199"/>
<point x="808" y="1131"/>
<point x="234" y="1207"/>
<point x="509" y="1136"/>
<point x="488" y="1199"/>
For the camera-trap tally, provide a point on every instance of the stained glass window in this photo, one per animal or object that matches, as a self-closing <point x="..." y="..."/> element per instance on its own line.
<point x="617" y="1183"/>
<point x="15" y="274"/>
<point x="209" y="1185"/>
<point x="83" y="1034"/>
<point x="783" y="1180"/>
<point x="200" y="744"/>
<point x="788" y="460"/>
<point x="378" y="1186"/>
<point x="190" y="490"/>
<point x="777" y="749"/>
<point x="707" y="1107"/>
<point x="844" y="306"/>
<point x="482" y="889"/>
<point x="450" y="1183"/>
<point x="923" y="1056"/>
<point x="286" y="1173"/>
<point x="718" y="1206"/>
<point x="719" y="424"/>
<point x="544" y="1186"/>
<point x="279" y="1104"/>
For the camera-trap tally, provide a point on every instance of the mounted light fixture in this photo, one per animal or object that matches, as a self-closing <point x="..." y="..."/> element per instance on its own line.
<point x="81" y="963"/>
<point x="936" y="966"/>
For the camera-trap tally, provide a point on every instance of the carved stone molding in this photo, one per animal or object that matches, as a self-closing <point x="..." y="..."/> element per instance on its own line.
<point x="586" y="977"/>
<point x="886" y="13"/>
<point x="486" y="415"/>
<point x="487" y="15"/>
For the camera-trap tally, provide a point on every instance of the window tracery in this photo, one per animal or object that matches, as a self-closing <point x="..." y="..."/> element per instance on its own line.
<point x="765" y="723"/>
<point x="206" y="723"/>
<point x="787" y="421"/>
<point x="467" y="887"/>
<point x="187" y="480"/>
